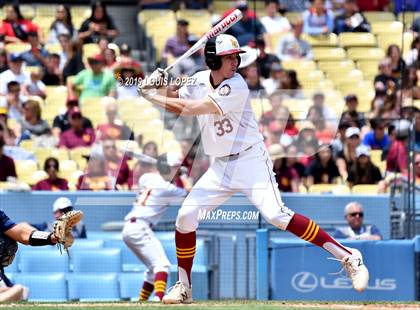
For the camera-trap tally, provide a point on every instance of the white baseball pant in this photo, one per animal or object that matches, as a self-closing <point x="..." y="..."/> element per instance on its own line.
<point x="141" y="239"/>
<point x="250" y="172"/>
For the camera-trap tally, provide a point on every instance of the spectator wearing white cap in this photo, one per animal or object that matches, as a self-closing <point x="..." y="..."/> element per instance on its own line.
<point x="61" y="206"/>
<point x="347" y="156"/>
<point x="363" y="171"/>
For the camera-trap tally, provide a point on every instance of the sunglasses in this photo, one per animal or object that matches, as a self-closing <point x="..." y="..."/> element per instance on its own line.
<point x="52" y="166"/>
<point x="354" y="214"/>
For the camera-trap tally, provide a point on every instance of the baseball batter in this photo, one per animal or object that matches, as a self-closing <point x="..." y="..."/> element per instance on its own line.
<point x="155" y="194"/>
<point x="220" y="100"/>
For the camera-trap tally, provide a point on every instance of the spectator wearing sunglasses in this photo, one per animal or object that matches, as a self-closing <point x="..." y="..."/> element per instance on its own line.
<point x="77" y="135"/>
<point x="52" y="182"/>
<point x="356" y="230"/>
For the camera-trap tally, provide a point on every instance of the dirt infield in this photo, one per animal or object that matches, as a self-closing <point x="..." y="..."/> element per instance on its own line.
<point x="234" y="305"/>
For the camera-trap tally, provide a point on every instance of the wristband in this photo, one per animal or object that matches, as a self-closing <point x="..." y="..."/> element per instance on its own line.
<point x="40" y="238"/>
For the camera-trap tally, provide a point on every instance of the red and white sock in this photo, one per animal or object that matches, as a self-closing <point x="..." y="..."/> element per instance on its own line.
<point x="160" y="284"/>
<point x="146" y="290"/>
<point x="308" y="230"/>
<point x="185" y="252"/>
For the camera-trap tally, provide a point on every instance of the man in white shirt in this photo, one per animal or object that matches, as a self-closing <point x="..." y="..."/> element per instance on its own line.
<point x="274" y="22"/>
<point x="15" y="73"/>
<point x="220" y="99"/>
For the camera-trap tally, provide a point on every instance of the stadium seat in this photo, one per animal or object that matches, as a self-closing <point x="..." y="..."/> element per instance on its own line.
<point x="27" y="11"/>
<point x="324" y="53"/>
<point x="171" y="146"/>
<point x="147" y="15"/>
<point x="84" y="244"/>
<point x="338" y="77"/>
<point x="44" y="286"/>
<point x="332" y="66"/>
<point x="408" y="18"/>
<point x="78" y="154"/>
<point x="93" y="287"/>
<point x="103" y="235"/>
<point x="130" y="262"/>
<point x="130" y="285"/>
<point x="321" y="40"/>
<point x="299" y="66"/>
<point x="335" y="189"/>
<point x="17" y="47"/>
<point x="67" y="167"/>
<point x="53" y="48"/>
<point x="260" y="106"/>
<point x="349" y="39"/>
<point x="369" y="68"/>
<point x="365" y="189"/>
<point x="27" y="145"/>
<point x="386" y="39"/>
<point x="275" y="39"/>
<point x="200" y="20"/>
<point x="25" y="167"/>
<point x="387" y="27"/>
<point x="43" y="260"/>
<point x="90" y="49"/>
<point x="363" y="53"/>
<point x="43" y="153"/>
<point x="97" y="260"/>
<point x="379" y="16"/>
<point x="38" y="176"/>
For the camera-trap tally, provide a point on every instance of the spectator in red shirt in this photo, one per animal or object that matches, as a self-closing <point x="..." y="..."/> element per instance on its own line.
<point x="14" y="27"/>
<point x="286" y="176"/>
<point x="53" y="182"/>
<point x="114" y="128"/>
<point x="373" y="5"/>
<point x="116" y="164"/>
<point x="96" y="177"/>
<point x="77" y="135"/>
<point x="6" y="163"/>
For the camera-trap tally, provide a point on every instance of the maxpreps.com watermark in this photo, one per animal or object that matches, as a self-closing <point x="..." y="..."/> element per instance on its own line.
<point x="204" y="215"/>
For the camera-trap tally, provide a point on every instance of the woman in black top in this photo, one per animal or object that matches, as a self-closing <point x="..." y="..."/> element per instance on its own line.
<point x="97" y="25"/>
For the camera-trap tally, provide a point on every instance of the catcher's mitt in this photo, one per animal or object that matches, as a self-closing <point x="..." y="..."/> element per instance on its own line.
<point x="63" y="226"/>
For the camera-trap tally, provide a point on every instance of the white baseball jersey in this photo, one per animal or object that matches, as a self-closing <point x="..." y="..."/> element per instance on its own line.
<point x="234" y="128"/>
<point x="154" y="198"/>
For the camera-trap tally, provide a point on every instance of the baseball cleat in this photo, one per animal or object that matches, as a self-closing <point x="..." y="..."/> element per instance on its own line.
<point x="178" y="294"/>
<point x="356" y="270"/>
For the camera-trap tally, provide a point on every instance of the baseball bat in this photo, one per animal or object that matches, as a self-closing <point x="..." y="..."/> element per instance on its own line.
<point x="221" y="27"/>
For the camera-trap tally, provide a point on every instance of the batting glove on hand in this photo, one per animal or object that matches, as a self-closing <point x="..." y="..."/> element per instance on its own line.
<point x="63" y="227"/>
<point x="146" y="92"/>
<point x="158" y="78"/>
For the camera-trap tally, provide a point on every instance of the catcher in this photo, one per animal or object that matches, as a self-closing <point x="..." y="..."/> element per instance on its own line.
<point x="11" y="233"/>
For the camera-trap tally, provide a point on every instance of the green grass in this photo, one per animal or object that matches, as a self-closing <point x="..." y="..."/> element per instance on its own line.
<point x="225" y="305"/>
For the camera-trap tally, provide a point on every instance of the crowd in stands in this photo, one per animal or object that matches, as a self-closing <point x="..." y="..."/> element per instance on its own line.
<point x="318" y="145"/>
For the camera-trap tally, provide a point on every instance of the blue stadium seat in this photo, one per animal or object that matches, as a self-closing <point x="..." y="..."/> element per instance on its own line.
<point x="50" y="260"/>
<point x="103" y="235"/>
<point x="87" y="244"/>
<point x="97" y="260"/>
<point x="130" y="285"/>
<point x="44" y="286"/>
<point x="130" y="262"/>
<point x="93" y="287"/>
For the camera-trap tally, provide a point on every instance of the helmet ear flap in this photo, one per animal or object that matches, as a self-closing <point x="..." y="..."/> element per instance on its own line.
<point x="212" y="60"/>
<point x="239" y="60"/>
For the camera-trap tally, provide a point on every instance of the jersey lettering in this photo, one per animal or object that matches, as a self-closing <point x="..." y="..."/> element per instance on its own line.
<point x="223" y="126"/>
<point x="141" y="200"/>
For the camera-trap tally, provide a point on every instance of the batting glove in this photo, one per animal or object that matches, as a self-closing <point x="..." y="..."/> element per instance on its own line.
<point x="158" y="78"/>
